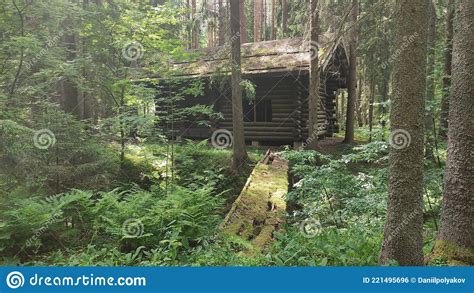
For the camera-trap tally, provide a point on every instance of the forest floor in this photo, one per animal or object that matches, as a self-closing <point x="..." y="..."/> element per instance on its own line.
<point x="169" y="206"/>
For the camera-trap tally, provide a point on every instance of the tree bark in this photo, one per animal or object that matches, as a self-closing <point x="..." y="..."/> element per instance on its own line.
<point x="359" y="104"/>
<point x="371" y="106"/>
<point x="313" y="99"/>
<point x="273" y="20"/>
<point x="243" y="22"/>
<point x="222" y="23"/>
<point x="342" y="115"/>
<point x="352" y="82"/>
<point x="284" y="18"/>
<point x="238" y="146"/>
<point x="195" y="26"/>
<point x="403" y="233"/>
<point x="257" y="20"/>
<point x="456" y="235"/>
<point x="448" y="55"/>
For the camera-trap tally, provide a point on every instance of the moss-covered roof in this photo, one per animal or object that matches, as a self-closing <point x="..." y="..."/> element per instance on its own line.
<point x="261" y="57"/>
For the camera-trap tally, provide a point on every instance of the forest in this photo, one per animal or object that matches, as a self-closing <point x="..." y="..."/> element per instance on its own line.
<point x="237" y="133"/>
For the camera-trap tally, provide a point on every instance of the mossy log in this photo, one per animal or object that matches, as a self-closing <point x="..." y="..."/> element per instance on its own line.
<point x="260" y="208"/>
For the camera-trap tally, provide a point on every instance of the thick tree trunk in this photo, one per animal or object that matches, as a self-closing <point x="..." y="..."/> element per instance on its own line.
<point x="352" y="82"/>
<point x="430" y="84"/>
<point x="257" y="20"/>
<point x="448" y="55"/>
<point x="313" y="99"/>
<point x="403" y="233"/>
<point x="284" y="18"/>
<point x="239" y="153"/>
<point x="456" y="235"/>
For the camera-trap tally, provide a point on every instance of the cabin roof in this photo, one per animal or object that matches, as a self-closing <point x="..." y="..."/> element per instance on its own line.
<point x="257" y="58"/>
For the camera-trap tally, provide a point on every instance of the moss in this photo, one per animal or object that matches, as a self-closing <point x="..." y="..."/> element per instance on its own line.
<point x="451" y="254"/>
<point x="260" y="207"/>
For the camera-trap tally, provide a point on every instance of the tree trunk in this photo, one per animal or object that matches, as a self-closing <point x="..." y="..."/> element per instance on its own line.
<point x="359" y="105"/>
<point x="342" y="115"/>
<point x="273" y="20"/>
<point x="257" y="20"/>
<point x="195" y="26"/>
<point x="68" y="90"/>
<point x="222" y="23"/>
<point x="313" y="99"/>
<point x="430" y="84"/>
<point x="243" y="22"/>
<point x="189" y="28"/>
<point x="456" y="235"/>
<point x="352" y="82"/>
<point x="403" y="233"/>
<point x="448" y="55"/>
<point x="284" y="18"/>
<point x="238" y="146"/>
<point x="371" y="106"/>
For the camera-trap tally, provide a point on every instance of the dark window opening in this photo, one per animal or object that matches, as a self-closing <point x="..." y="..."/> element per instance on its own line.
<point x="260" y="112"/>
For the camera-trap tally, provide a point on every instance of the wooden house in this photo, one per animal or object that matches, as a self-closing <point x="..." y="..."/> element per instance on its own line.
<point x="279" y="70"/>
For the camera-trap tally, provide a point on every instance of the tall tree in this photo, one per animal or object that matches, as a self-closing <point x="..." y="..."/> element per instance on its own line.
<point x="403" y="233"/>
<point x="273" y="37"/>
<point x="257" y="20"/>
<point x="371" y="105"/>
<point x="243" y="22"/>
<point x="352" y="82"/>
<point x="456" y="235"/>
<point x="359" y="104"/>
<point x="222" y="23"/>
<point x="313" y="99"/>
<point x="238" y="146"/>
<point x="284" y="18"/>
<point x="195" y="26"/>
<point x="448" y="55"/>
<point x="67" y="88"/>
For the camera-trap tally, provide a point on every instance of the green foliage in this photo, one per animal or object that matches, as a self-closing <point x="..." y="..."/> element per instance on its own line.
<point x="355" y="245"/>
<point x="168" y="222"/>
<point x="69" y="158"/>
<point x="347" y="198"/>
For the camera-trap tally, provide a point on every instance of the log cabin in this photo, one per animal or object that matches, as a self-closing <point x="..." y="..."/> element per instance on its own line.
<point x="277" y="112"/>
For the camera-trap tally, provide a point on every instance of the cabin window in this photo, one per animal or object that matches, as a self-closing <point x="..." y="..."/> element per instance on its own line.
<point x="261" y="112"/>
